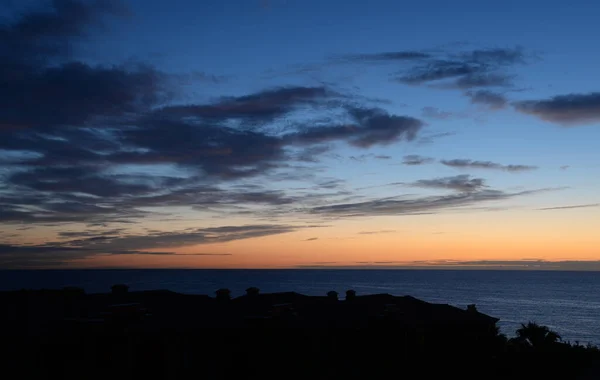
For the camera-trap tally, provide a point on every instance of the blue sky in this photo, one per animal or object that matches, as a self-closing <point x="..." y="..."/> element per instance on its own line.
<point x="290" y="113"/>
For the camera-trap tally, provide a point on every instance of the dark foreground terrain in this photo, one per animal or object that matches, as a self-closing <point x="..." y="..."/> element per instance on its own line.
<point x="67" y="334"/>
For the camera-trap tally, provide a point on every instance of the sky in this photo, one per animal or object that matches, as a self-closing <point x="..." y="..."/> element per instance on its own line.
<point x="299" y="134"/>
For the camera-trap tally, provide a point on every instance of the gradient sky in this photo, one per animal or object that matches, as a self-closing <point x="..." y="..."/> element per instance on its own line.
<point x="285" y="133"/>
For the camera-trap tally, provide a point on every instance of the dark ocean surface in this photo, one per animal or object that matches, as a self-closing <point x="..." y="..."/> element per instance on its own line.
<point x="567" y="302"/>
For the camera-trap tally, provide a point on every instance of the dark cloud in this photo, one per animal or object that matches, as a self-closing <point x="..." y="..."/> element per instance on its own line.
<point x="489" y="99"/>
<point x="75" y="180"/>
<point x="259" y="107"/>
<point x="35" y="71"/>
<point x="414" y="159"/>
<point x="311" y="239"/>
<point x="388" y="56"/>
<point x="473" y="164"/>
<point x="570" y="207"/>
<point x="40" y="35"/>
<point x="416" y="206"/>
<point x="370" y="127"/>
<point x="566" y="110"/>
<point x="461" y="183"/>
<point x="87" y="245"/>
<point x="90" y="233"/>
<point x="77" y="94"/>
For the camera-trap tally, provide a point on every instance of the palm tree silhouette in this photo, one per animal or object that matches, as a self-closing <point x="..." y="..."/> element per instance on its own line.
<point x="537" y="336"/>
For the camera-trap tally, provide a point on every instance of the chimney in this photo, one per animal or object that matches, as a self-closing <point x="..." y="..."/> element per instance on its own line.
<point x="350" y="294"/>
<point x="332" y="295"/>
<point x="471" y="308"/>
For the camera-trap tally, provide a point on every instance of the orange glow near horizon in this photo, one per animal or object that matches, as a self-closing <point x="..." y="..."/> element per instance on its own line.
<point x="403" y="241"/>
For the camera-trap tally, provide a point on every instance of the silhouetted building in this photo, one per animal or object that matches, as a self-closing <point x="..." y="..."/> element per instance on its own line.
<point x="119" y="289"/>
<point x="223" y="294"/>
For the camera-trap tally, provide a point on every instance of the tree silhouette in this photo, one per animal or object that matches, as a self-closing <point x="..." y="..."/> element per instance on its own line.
<point x="536" y="336"/>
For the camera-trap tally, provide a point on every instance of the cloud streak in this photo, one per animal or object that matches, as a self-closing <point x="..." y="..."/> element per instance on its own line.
<point x="417" y="206"/>
<point x="569" y="207"/>
<point x="415" y="160"/>
<point x="473" y="164"/>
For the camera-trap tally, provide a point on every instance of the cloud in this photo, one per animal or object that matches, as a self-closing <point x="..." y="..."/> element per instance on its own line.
<point x="376" y="232"/>
<point x="370" y="126"/>
<point x="465" y="70"/>
<point x="461" y="183"/>
<point x="472" y="164"/>
<point x="524" y="264"/>
<point x="416" y="206"/>
<point x="364" y="157"/>
<point x="566" y="110"/>
<point x="480" y="80"/>
<point x="414" y="159"/>
<point x="570" y="207"/>
<point x="258" y="107"/>
<point x="87" y="245"/>
<point x="436" y="113"/>
<point x="489" y="99"/>
<point x="395" y="56"/>
<point x="428" y="139"/>
<point x="311" y="239"/>
<point x="438" y="70"/>
<point x="495" y="56"/>
<point x="71" y="160"/>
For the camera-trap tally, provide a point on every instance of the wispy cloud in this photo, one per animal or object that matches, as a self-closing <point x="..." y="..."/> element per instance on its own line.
<point x="489" y="99"/>
<point x="418" y="205"/>
<point x="473" y="164"/>
<point x="392" y="56"/>
<point x="462" y="183"/>
<point x="376" y="232"/>
<point x="570" y="207"/>
<point x="414" y="159"/>
<point x="436" y="113"/>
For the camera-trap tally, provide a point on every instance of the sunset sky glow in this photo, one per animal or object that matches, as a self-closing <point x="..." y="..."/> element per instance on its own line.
<point x="299" y="134"/>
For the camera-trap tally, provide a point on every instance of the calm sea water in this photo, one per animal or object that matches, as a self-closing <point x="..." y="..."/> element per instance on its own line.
<point x="568" y="302"/>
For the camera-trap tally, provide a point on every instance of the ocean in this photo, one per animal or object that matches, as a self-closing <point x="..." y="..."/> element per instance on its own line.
<point x="567" y="302"/>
